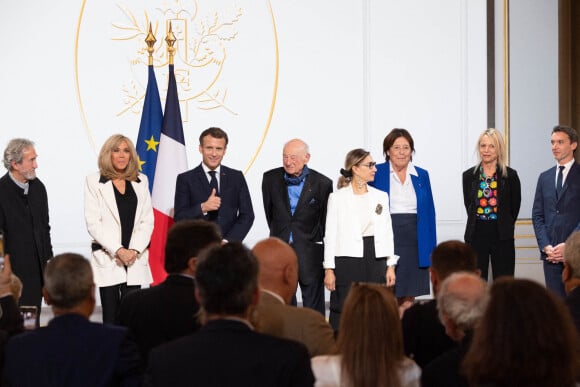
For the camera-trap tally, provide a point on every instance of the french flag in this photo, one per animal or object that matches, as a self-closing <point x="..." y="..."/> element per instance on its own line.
<point x="171" y="161"/>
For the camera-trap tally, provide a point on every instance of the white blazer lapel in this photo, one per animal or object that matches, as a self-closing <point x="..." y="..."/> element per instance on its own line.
<point x="108" y="194"/>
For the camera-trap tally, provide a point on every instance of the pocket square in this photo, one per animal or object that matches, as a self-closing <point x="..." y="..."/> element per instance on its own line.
<point x="313" y="201"/>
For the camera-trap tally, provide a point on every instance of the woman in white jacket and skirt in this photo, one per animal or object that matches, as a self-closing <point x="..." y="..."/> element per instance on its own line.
<point x="358" y="243"/>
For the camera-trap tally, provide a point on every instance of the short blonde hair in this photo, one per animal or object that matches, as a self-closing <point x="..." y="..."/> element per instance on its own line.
<point x="106" y="165"/>
<point x="497" y="139"/>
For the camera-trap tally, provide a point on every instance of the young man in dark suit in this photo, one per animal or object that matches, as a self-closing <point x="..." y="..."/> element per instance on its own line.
<point x="215" y="192"/>
<point x="71" y="350"/>
<point x="226" y="351"/>
<point x="169" y="310"/>
<point x="556" y="210"/>
<point x="295" y="199"/>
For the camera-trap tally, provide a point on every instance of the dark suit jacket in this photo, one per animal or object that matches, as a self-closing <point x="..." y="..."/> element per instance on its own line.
<point x="24" y="220"/>
<point x="556" y="218"/>
<point x="304" y="325"/>
<point x="509" y="200"/>
<point x="161" y="313"/>
<point x="229" y="353"/>
<point x="573" y="304"/>
<point x="72" y="351"/>
<point x="445" y="370"/>
<point x="307" y="223"/>
<point x="424" y="336"/>
<point x="235" y="216"/>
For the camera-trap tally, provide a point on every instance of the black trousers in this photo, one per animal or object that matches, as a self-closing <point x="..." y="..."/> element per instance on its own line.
<point x="111" y="297"/>
<point x="488" y="246"/>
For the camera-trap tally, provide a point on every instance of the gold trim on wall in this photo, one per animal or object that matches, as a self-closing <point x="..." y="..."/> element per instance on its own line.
<point x="506" y="77"/>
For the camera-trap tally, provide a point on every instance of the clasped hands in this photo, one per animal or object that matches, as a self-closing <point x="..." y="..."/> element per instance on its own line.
<point x="330" y="278"/>
<point x="555" y="254"/>
<point x="125" y="256"/>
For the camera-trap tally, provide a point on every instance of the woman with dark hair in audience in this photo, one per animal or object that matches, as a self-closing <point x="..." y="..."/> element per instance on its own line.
<point x="370" y="344"/>
<point x="119" y="218"/>
<point x="358" y="242"/>
<point x="525" y="338"/>
<point x="413" y="213"/>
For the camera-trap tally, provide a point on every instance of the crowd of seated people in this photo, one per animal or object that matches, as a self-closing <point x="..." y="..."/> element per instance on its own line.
<point x="223" y="318"/>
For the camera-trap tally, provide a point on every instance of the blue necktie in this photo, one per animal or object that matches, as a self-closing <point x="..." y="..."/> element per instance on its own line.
<point x="559" y="180"/>
<point x="213" y="184"/>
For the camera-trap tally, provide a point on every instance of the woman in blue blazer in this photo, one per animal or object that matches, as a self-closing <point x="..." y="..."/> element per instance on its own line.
<point x="412" y="212"/>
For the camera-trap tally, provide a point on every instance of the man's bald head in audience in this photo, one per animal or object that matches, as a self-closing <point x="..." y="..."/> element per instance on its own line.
<point x="278" y="267"/>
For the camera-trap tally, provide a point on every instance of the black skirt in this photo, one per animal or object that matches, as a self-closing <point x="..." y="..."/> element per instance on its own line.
<point x="347" y="270"/>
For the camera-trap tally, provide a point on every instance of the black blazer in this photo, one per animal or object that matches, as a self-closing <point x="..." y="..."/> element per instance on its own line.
<point x="161" y="313"/>
<point x="228" y="353"/>
<point x="236" y="214"/>
<point x="509" y="200"/>
<point x="424" y="336"/>
<point x="25" y="221"/>
<point x="308" y="222"/>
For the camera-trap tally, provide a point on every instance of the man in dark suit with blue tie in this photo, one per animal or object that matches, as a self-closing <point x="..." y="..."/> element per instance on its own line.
<point x="215" y="192"/>
<point x="556" y="211"/>
<point x="295" y="198"/>
<point x="71" y="350"/>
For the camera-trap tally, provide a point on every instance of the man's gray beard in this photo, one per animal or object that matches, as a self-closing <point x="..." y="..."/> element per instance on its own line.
<point x="30" y="176"/>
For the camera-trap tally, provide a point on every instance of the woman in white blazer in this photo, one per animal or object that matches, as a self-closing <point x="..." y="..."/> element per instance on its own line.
<point x="119" y="218"/>
<point x="358" y="242"/>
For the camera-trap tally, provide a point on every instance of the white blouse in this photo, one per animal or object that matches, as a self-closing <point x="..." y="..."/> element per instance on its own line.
<point x="403" y="199"/>
<point x="327" y="372"/>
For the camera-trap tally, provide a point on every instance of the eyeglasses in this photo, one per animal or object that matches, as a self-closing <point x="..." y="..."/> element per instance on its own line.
<point x="370" y="165"/>
<point x="398" y="148"/>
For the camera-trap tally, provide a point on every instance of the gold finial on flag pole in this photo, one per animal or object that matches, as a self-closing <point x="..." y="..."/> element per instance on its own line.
<point x="150" y="40"/>
<point x="170" y="40"/>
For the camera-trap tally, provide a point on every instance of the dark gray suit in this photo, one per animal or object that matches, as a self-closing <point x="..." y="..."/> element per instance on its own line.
<point x="306" y="225"/>
<point x="555" y="218"/>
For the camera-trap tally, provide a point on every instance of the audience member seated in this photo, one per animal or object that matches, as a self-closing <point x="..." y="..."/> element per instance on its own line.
<point x="571" y="276"/>
<point x="424" y="336"/>
<point x="10" y="319"/>
<point x="461" y="301"/>
<point x="526" y="337"/>
<point x="226" y="351"/>
<point x="169" y="310"/>
<point x="71" y="350"/>
<point x="370" y="344"/>
<point x="278" y="279"/>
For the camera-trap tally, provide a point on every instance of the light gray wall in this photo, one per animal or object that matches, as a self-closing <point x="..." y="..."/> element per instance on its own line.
<point x="533" y="90"/>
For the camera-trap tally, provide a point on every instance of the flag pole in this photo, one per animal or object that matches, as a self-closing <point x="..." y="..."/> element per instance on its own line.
<point x="150" y="40"/>
<point x="170" y="40"/>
